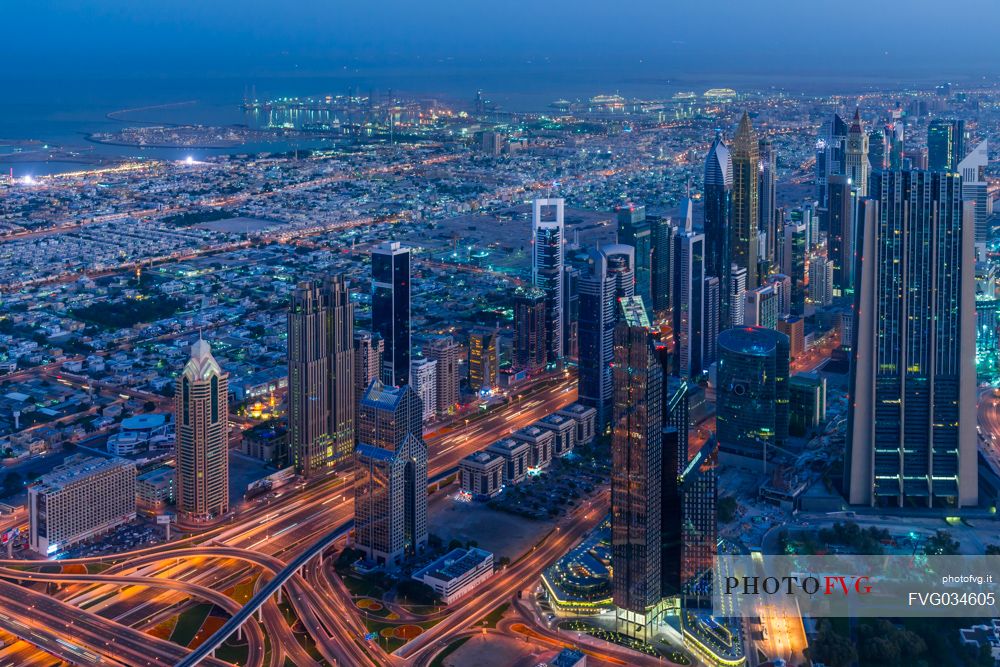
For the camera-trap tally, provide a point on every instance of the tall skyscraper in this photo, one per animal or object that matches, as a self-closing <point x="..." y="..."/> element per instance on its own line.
<point x="547" y="268"/>
<point x="201" y="406"/>
<point x="820" y="281"/>
<point x="856" y="165"/>
<point x="633" y="230"/>
<point x="975" y="190"/>
<point x="912" y="406"/>
<point x="391" y="309"/>
<point x="388" y="414"/>
<point x="445" y="351"/>
<point x="767" y="216"/>
<point x="662" y="232"/>
<point x="737" y="294"/>
<point x="423" y="377"/>
<point x="529" y="329"/>
<point x="609" y="277"/>
<point x="571" y="313"/>
<point x="368" y="349"/>
<point x="636" y="475"/>
<point x="744" y="225"/>
<point x="945" y="144"/>
<point x="840" y="234"/>
<point x="710" y="320"/>
<point x="484" y="362"/>
<point x="793" y="264"/>
<point x="689" y="306"/>
<point x="762" y="308"/>
<point x="878" y="149"/>
<point x="718" y="199"/>
<point x="321" y="391"/>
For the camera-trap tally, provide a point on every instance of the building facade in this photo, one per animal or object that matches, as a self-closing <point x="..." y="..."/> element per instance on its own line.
<point x="391" y="309"/>
<point x="547" y="269"/>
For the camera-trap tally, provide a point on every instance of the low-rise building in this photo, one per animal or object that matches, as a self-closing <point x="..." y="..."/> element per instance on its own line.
<point x="80" y="499"/>
<point x="156" y="487"/>
<point x="563" y="431"/>
<point x="516" y="455"/>
<point x="540" y="440"/>
<point x="457" y="573"/>
<point x="481" y="474"/>
<point x="585" y="418"/>
<point x="983" y="636"/>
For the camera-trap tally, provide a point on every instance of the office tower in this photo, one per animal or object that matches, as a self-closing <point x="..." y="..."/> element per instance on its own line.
<point x="718" y="195"/>
<point x="856" y="165"/>
<point x="782" y="284"/>
<point x="391" y="309"/>
<point x="912" y="397"/>
<point x="840" y="234"/>
<point x="423" y="377"/>
<point x="201" y="406"/>
<point x="894" y="143"/>
<point x="794" y="264"/>
<point x="751" y="392"/>
<point x="878" y="149"/>
<point x="674" y="461"/>
<point x="547" y="266"/>
<point x="79" y="499"/>
<point x="767" y="215"/>
<point x="710" y="320"/>
<point x="737" y="294"/>
<point x="529" y="329"/>
<point x="321" y="391"/>
<point x="689" y="305"/>
<point x="794" y="328"/>
<point x="945" y="144"/>
<point x="820" y="281"/>
<point x="975" y="190"/>
<point x="388" y="414"/>
<point x="390" y="500"/>
<point x="484" y="362"/>
<point x="831" y="147"/>
<point x="744" y="225"/>
<point x="662" y="232"/>
<point x="571" y="313"/>
<point x="609" y="277"/>
<point x="368" y="350"/>
<point x="806" y="402"/>
<point x="699" y="529"/>
<point x="761" y="308"/>
<point x="445" y="351"/>
<point x="633" y="230"/>
<point x="636" y="475"/>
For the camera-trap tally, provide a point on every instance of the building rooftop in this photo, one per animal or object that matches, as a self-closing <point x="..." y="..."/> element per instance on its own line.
<point x="454" y="564"/>
<point x="143" y="422"/>
<point x="75" y="468"/>
<point x="757" y="341"/>
<point x="507" y="445"/>
<point x="482" y="457"/>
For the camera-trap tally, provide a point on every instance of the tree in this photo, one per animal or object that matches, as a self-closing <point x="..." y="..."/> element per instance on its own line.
<point x="942" y="544"/>
<point x="149" y="406"/>
<point x="993" y="549"/>
<point x="726" y="509"/>
<point x="831" y="648"/>
<point x="12" y="483"/>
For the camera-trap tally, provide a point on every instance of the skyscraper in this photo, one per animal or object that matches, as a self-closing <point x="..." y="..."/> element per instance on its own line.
<point x="484" y="363"/>
<point x="878" y="149"/>
<point x="633" y="230"/>
<point x="391" y="309"/>
<point x="445" y="351"/>
<point x="201" y="406"/>
<point x="609" y="277"/>
<point x="793" y="264"/>
<point x="529" y="329"/>
<point x="388" y="414"/>
<point x="912" y="406"/>
<point x="547" y="268"/>
<point x="975" y="190"/>
<point x="761" y="308"/>
<point x="737" y="294"/>
<point x="636" y="476"/>
<point x="689" y="306"/>
<point x="820" y="281"/>
<point x="423" y="377"/>
<point x="743" y="227"/>
<point x="368" y="350"/>
<point x="321" y="391"/>
<point x="751" y="392"/>
<point x="856" y="165"/>
<point x="718" y="196"/>
<point x="945" y="144"/>
<point x="571" y="313"/>
<point x="710" y="321"/>
<point x="840" y="234"/>
<point x="662" y="232"/>
<point x="767" y="216"/>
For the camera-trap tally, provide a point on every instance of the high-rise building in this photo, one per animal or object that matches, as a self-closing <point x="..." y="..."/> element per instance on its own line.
<point x="636" y="477"/>
<point x="321" y="391"/>
<point x="689" y="305"/>
<point x="793" y="264"/>
<point x="633" y="230"/>
<point x="609" y="277"/>
<point x="484" y="361"/>
<point x="856" y="165"/>
<point x="391" y="309"/>
<point x="830" y="157"/>
<point x="975" y="190"/>
<point x="840" y="235"/>
<point x="662" y="232"/>
<point x="820" y="281"/>
<point x="894" y="143"/>
<point x="737" y="294"/>
<point x="878" y="149"/>
<point x="423" y="377"/>
<point x="368" y="350"/>
<point x="945" y="144"/>
<point x="699" y="529"/>
<point x="743" y="224"/>
<point x="201" y="405"/>
<point x="446" y="352"/>
<point x="529" y="329"/>
<point x="751" y="392"/>
<point x="571" y="313"/>
<point x="710" y="321"/>
<point x="387" y="414"/>
<point x="767" y="216"/>
<point x="547" y="268"/>
<point x="674" y="461"/>
<point x="782" y="284"/>
<point x="912" y="406"/>
<point x="718" y="194"/>
<point x="78" y="500"/>
<point x="762" y="308"/>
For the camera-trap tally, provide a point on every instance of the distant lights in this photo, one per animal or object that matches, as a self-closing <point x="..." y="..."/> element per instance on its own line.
<point x="189" y="160"/>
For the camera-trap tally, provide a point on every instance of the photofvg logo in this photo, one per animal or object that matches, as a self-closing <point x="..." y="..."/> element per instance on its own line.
<point x="795" y="585"/>
<point x="856" y="586"/>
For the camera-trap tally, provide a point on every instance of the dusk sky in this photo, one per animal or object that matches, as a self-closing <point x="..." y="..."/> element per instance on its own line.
<point x="59" y="38"/>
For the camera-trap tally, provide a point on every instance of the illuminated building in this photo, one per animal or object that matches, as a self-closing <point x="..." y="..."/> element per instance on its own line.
<point x="840" y="235"/>
<point x="480" y="474"/>
<point x="761" y="308"/>
<point x="945" y="144"/>
<point x="751" y="392"/>
<point x="820" y="281"/>
<point x="737" y="294"/>
<point x="445" y="351"/>
<point x="80" y="499"/>
<point x="391" y="309"/>
<point x="794" y="328"/>
<point x="585" y="417"/>
<point x="516" y="455"/>
<point x="388" y="414"/>
<point x="856" y="165"/>
<point x="484" y="363"/>
<point x="743" y="223"/>
<point x="457" y="573"/>
<point x="634" y="230"/>
<point x="423" y="377"/>
<point x="689" y="303"/>
<point x="806" y="402"/>
<point x="201" y="404"/>
<point x="718" y="196"/>
<point x="767" y="215"/>
<point x="636" y="476"/>
<point x="793" y="264"/>
<point x="321" y="394"/>
<point x="368" y="350"/>
<point x="563" y="431"/>
<point x="975" y="189"/>
<point x="662" y="232"/>
<point x="540" y="442"/>
<point x="912" y="399"/>
<point x="699" y="527"/>
<point x="547" y="267"/>
<point x="529" y="329"/>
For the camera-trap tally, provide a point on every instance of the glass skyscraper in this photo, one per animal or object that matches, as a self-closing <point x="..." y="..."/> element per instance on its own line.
<point x="743" y="224"/>
<point x="391" y="309"/>
<point x="547" y="263"/>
